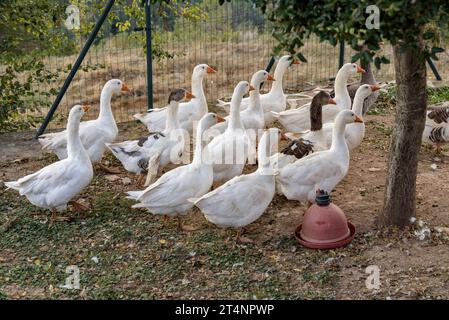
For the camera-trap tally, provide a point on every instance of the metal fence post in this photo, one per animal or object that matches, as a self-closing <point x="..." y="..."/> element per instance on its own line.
<point x="75" y="67"/>
<point x="434" y="68"/>
<point x="149" y="55"/>
<point x="341" y="57"/>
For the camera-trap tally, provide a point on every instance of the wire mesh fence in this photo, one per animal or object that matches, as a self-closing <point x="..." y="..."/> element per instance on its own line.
<point x="234" y="38"/>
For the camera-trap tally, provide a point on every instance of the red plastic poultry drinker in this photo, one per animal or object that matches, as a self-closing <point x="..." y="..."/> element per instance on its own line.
<point x="324" y="225"/>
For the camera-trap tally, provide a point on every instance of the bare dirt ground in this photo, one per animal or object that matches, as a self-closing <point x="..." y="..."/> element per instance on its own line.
<point x="127" y="253"/>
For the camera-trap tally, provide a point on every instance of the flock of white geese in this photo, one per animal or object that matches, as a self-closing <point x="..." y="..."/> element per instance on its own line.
<point x="322" y="134"/>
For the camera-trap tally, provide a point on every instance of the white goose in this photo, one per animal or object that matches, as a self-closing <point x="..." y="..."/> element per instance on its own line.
<point x="229" y="150"/>
<point x="189" y="112"/>
<point x="320" y="170"/>
<point x="170" y="193"/>
<point x="154" y="152"/>
<point x="54" y="186"/>
<point x="354" y="132"/>
<point x="94" y="133"/>
<point x="243" y="199"/>
<point x="314" y="140"/>
<point x="275" y="99"/>
<point x="297" y="120"/>
<point x="253" y="116"/>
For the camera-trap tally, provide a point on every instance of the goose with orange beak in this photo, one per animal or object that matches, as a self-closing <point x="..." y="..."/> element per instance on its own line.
<point x="54" y="186"/>
<point x="275" y="100"/>
<point x="189" y="112"/>
<point x="229" y="150"/>
<point x="312" y="141"/>
<point x="297" y="120"/>
<point x="170" y="194"/>
<point x="94" y="134"/>
<point x="320" y="170"/>
<point x="152" y="153"/>
<point x="243" y="199"/>
<point x="354" y="133"/>
<point x="253" y="116"/>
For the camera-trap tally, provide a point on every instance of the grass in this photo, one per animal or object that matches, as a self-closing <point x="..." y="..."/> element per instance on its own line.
<point x="139" y="257"/>
<point x="437" y="95"/>
<point x="386" y="102"/>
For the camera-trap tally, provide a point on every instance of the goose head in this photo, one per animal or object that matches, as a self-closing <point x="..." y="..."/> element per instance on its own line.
<point x="259" y="77"/>
<point x="242" y="88"/>
<point x="287" y="60"/>
<point x="351" y="68"/>
<point x="210" y="119"/>
<point x="201" y="70"/>
<point x="78" y="111"/>
<point x="116" y="86"/>
<point x="322" y="98"/>
<point x="179" y="95"/>
<point x="347" y="117"/>
<point x="365" y="90"/>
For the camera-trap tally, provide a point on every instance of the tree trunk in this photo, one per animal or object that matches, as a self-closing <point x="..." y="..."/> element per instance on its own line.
<point x="400" y="190"/>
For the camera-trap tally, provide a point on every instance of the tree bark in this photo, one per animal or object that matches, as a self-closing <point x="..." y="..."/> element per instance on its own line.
<point x="400" y="189"/>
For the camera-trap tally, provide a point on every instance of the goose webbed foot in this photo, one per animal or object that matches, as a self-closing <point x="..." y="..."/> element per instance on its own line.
<point x="241" y="239"/>
<point x="438" y="150"/>
<point x="54" y="217"/>
<point x="183" y="227"/>
<point x="78" y="206"/>
<point x="108" y="169"/>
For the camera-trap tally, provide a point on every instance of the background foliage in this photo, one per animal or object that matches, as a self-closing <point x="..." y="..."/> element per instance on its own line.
<point x="33" y="29"/>
<point x="335" y="20"/>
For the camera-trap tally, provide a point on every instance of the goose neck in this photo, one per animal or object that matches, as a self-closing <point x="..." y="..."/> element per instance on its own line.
<point x="341" y="91"/>
<point x="263" y="153"/>
<point x="279" y="72"/>
<point x="357" y="105"/>
<point x="74" y="145"/>
<point x="171" y="122"/>
<point x="316" y="119"/>
<point x="368" y="76"/>
<point x="105" y="105"/>
<point x="254" y="98"/>
<point x="198" y="92"/>
<point x="200" y="146"/>
<point x="235" y="122"/>
<point x="338" y="138"/>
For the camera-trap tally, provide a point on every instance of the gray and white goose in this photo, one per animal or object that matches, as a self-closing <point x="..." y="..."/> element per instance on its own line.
<point x="304" y="143"/>
<point x="152" y="153"/>
<point x="436" y="130"/>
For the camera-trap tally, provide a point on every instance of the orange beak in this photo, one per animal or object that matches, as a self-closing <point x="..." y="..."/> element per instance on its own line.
<point x="283" y="136"/>
<point x="360" y="70"/>
<point x="296" y="61"/>
<point x="357" y="119"/>
<point x="189" y="95"/>
<point x="270" y="78"/>
<point x="251" y="88"/>
<point x="125" y="88"/>
<point x="332" y="101"/>
<point x="220" y="119"/>
<point x="211" y="70"/>
<point x="374" y="87"/>
<point x="85" y="108"/>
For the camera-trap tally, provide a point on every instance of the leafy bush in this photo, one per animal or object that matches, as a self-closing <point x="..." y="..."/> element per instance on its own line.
<point x="22" y="94"/>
